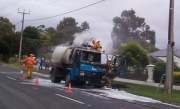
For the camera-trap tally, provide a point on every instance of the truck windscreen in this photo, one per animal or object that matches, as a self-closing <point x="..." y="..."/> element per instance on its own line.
<point x="88" y="56"/>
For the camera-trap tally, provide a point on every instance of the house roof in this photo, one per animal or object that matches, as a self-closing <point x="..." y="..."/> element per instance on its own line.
<point x="163" y="53"/>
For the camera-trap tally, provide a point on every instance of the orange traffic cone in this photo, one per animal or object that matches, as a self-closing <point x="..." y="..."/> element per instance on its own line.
<point x="23" y="76"/>
<point x="36" y="82"/>
<point x="69" y="90"/>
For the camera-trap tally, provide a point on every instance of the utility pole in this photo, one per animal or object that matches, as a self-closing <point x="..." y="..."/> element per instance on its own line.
<point x="170" y="53"/>
<point x="20" y="45"/>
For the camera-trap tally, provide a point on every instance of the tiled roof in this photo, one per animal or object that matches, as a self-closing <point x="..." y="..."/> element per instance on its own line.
<point x="163" y="53"/>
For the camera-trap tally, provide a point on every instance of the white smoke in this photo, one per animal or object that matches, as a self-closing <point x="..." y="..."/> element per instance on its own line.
<point x="82" y="38"/>
<point x="86" y="37"/>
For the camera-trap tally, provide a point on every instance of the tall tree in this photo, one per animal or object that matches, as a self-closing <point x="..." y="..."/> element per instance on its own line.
<point x="50" y="31"/>
<point x="131" y="27"/>
<point x="59" y="38"/>
<point x="31" y="41"/>
<point x="85" y="26"/>
<point x="68" y="23"/>
<point x="6" y="27"/>
<point x="65" y="31"/>
<point x="41" y="29"/>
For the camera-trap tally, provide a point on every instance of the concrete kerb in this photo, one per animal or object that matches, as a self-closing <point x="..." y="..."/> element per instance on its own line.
<point x="143" y="83"/>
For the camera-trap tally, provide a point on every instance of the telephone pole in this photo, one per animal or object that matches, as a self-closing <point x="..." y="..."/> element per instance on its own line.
<point x="170" y="53"/>
<point x="20" y="45"/>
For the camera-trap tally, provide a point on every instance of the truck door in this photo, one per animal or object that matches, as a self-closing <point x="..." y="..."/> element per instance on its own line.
<point x="76" y="59"/>
<point x="116" y="61"/>
<point x="75" y="63"/>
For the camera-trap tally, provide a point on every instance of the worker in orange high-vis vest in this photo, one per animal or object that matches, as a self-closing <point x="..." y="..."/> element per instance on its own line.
<point x="94" y="45"/>
<point x="109" y="74"/>
<point x="99" y="47"/>
<point x="30" y="62"/>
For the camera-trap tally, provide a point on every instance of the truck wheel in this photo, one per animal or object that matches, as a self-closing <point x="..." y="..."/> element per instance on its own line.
<point x="55" y="79"/>
<point x="67" y="81"/>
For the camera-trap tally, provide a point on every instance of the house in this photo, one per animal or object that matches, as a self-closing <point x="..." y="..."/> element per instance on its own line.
<point x="162" y="55"/>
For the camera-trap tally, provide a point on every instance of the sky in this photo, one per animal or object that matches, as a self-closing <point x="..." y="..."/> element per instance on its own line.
<point x="99" y="16"/>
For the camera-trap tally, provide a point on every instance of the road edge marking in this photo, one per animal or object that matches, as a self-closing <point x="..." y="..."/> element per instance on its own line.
<point x="70" y="98"/>
<point x="11" y="78"/>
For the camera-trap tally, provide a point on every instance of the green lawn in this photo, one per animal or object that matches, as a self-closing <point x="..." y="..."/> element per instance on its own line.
<point x="148" y="91"/>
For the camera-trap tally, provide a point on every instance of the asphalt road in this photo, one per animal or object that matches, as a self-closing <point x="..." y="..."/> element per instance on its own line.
<point x="16" y="93"/>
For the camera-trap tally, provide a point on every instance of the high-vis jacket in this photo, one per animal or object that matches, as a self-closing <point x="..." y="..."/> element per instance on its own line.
<point x="99" y="47"/>
<point x="30" y="61"/>
<point x="95" y="44"/>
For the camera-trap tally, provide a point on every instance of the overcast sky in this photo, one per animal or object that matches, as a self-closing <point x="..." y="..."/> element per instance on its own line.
<point x="99" y="16"/>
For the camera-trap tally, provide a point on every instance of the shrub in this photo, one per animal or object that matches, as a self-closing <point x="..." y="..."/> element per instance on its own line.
<point x="176" y="68"/>
<point x="177" y="78"/>
<point x="13" y="60"/>
<point x="159" y="70"/>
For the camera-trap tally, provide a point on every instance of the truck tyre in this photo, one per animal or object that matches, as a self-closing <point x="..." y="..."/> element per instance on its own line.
<point x="67" y="81"/>
<point x="55" y="79"/>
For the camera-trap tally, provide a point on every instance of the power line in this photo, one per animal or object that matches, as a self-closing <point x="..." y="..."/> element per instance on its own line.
<point x="66" y="12"/>
<point x="18" y="23"/>
<point x="28" y="5"/>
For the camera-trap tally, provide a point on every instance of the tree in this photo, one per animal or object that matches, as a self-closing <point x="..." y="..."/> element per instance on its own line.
<point x="65" y="31"/>
<point x="6" y="27"/>
<point x="31" y="33"/>
<point x="45" y="45"/>
<point x="134" y="54"/>
<point x="148" y="46"/>
<point x="58" y="38"/>
<point x="68" y="24"/>
<point x="50" y="31"/>
<point x="131" y="27"/>
<point x="9" y="46"/>
<point x="45" y="37"/>
<point x="31" y="41"/>
<point x="41" y="29"/>
<point x="31" y="46"/>
<point x="85" y="26"/>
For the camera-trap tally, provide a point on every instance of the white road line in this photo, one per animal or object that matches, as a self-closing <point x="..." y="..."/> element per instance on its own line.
<point x="70" y="99"/>
<point x="11" y="78"/>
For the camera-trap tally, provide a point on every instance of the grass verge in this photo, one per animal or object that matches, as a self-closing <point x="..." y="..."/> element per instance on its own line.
<point x="19" y="67"/>
<point x="148" y="91"/>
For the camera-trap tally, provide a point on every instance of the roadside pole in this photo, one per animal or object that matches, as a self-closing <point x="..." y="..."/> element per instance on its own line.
<point x="170" y="54"/>
<point x="20" y="45"/>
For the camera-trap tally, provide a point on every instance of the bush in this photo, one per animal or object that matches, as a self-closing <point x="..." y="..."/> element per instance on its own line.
<point x="176" y="68"/>
<point x="176" y="78"/>
<point x="13" y="60"/>
<point x="159" y="70"/>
